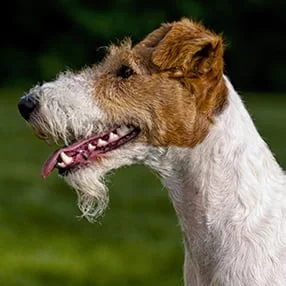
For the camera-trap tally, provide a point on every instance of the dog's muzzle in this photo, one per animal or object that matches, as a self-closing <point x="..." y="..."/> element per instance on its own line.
<point x="27" y="105"/>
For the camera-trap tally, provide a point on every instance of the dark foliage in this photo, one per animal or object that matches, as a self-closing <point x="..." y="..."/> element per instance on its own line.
<point x="40" y="38"/>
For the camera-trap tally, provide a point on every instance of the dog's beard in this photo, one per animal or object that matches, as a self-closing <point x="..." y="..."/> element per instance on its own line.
<point x="89" y="181"/>
<point x="92" y="193"/>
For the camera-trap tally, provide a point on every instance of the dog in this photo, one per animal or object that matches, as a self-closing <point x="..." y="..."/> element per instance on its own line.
<point x="165" y="102"/>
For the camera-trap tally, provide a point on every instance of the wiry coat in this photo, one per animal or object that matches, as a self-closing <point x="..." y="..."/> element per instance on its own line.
<point x="226" y="187"/>
<point x="230" y="196"/>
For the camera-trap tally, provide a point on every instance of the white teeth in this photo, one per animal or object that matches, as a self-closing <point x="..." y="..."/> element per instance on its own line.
<point x="61" y="165"/>
<point x="101" y="143"/>
<point x="91" y="147"/>
<point x="122" y="130"/>
<point x="112" y="137"/>
<point x="66" y="159"/>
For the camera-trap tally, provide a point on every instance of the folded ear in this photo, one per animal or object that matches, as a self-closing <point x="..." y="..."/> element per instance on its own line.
<point x="154" y="38"/>
<point x="185" y="47"/>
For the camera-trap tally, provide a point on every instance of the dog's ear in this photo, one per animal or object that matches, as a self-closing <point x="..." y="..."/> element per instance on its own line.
<point x="186" y="48"/>
<point x="154" y="38"/>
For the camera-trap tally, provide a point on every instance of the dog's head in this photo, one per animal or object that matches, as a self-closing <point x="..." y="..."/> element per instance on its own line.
<point x="164" y="91"/>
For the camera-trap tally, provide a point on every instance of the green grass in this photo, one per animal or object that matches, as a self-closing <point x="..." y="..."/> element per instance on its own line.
<point x="137" y="242"/>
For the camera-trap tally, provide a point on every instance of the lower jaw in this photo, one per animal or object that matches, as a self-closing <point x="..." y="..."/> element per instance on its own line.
<point x="80" y="166"/>
<point x="65" y="172"/>
<point x="88" y="150"/>
<point x="96" y="159"/>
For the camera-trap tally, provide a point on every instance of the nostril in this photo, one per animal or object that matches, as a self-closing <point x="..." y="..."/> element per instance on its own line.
<point x="26" y="106"/>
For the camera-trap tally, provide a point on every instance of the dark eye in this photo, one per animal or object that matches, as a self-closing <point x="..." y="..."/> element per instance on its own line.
<point x="125" y="71"/>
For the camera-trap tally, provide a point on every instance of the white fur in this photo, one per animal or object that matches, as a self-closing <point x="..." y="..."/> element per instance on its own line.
<point x="89" y="181"/>
<point x="230" y="196"/>
<point x="228" y="192"/>
<point x="68" y="108"/>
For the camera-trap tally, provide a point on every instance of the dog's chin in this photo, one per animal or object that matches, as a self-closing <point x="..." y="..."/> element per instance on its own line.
<point x="88" y="181"/>
<point x="85" y="162"/>
<point x="92" y="193"/>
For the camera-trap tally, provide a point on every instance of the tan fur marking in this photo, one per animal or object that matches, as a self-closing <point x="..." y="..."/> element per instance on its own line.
<point x="177" y="87"/>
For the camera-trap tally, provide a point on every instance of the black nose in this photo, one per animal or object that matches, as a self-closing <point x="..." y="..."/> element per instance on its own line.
<point x="27" y="105"/>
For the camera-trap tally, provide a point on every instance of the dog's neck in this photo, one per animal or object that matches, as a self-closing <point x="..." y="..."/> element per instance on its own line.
<point x="228" y="182"/>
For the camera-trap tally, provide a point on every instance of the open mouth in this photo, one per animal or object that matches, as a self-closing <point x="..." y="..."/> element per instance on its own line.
<point x="87" y="150"/>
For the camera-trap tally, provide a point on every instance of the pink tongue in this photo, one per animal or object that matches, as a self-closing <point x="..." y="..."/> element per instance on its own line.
<point x="50" y="164"/>
<point x="52" y="161"/>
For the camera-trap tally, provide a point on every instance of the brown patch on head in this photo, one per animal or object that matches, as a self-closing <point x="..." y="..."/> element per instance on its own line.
<point x="172" y="88"/>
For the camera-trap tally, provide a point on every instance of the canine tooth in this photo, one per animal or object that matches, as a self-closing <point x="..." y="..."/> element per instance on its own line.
<point x="66" y="159"/>
<point x="101" y="143"/>
<point x="122" y="130"/>
<point x="113" y="137"/>
<point x="91" y="147"/>
<point x="61" y="165"/>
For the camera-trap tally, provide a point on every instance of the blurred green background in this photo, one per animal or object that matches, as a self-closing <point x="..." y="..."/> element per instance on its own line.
<point x="137" y="242"/>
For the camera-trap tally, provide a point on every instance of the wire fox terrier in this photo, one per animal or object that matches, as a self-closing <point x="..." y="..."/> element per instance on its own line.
<point x="166" y="103"/>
